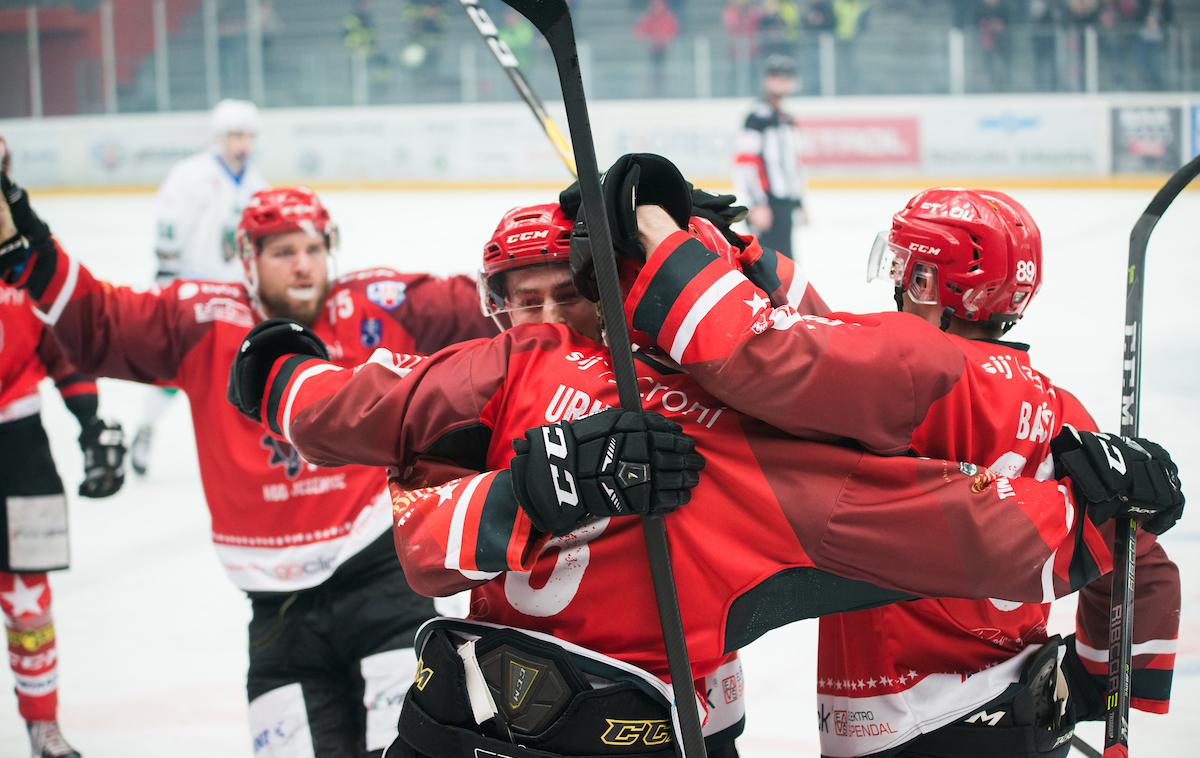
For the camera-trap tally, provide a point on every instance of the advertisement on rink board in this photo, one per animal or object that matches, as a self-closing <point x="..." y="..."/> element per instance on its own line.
<point x="965" y="138"/>
<point x="499" y="144"/>
<point x="1146" y="139"/>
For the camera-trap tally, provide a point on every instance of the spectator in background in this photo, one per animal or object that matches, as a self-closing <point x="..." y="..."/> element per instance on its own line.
<point x="659" y="27"/>
<point x="1080" y="15"/>
<point x="1154" y="18"/>
<point x="741" y="28"/>
<point x="777" y="28"/>
<point x="1112" y="38"/>
<point x="517" y="33"/>
<point x="359" y="37"/>
<point x="1044" y="17"/>
<point x="850" y="17"/>
<point x="426" y="21"/>
<point x="816" y="18"/>
<point x="994" y="18"/>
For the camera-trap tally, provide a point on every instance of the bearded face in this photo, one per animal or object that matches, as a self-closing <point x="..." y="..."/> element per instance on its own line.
<point x="293" y="275"/>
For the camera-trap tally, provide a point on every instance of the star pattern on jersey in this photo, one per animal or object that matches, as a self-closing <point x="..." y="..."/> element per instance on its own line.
<point x="445" y="492"/>
<point x="24" y="599"/>
<point x="757" y="303"/>
<point x="874" y="683"/>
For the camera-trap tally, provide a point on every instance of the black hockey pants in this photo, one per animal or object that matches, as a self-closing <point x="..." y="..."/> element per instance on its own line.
<point x="329" y="666"/>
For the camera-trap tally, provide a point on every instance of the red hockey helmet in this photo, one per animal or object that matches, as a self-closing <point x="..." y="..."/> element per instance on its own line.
<point x="976" y="252"/>
<point x="531" y="235"/>
<point x="275" y="211"/>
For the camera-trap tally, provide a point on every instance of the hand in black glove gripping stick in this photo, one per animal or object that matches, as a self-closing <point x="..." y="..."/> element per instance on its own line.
<point x="263" y="345"/>
<point x="615" y="463"/>
<point x="1120" y="477"/>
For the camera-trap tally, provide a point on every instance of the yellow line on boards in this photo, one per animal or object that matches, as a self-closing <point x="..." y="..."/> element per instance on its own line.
<point x="1131" y="182"/>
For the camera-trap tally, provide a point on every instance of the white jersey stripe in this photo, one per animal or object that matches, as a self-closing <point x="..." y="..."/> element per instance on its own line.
<point x="457" y="524"/>
<point x="1149" y="647"/>
<point x="64" y="295"/>
<point x="700" y="309"/>
<point x="305" y="375"/>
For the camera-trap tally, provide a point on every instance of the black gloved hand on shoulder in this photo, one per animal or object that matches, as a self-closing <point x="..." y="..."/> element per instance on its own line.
<point x="1120" y="477"/>
<point x="614" y="463"/>
<point x="263" y="345"/>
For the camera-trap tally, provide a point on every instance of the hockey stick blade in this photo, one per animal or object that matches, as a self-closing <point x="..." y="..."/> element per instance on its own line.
<point x="553" y="19"/>
<point x="1120" y="614"/>
<point x="508" y="61"/>
<point x="1078" y="743"/>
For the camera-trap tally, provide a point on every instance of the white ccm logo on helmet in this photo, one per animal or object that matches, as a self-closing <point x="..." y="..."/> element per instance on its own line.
<point x="526" y="236"/>
<point x="564" y="483"/>
<point x="917" y="247"/>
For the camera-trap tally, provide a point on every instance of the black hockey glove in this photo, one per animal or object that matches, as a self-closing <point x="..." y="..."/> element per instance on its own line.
<point x="17" y="250"/>
<point x="1087" y="692"/>
<point x="721" y="211"/>
<point x="261" y="347"/>
<point x="615" y="463"/>
<point x="103" y="447"/>
<point x="1120" y="477"/>
<point x="635" y="179"/>
<point x="29" y="225"/>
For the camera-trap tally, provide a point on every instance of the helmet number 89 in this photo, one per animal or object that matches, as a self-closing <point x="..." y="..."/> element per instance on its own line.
<point x="1026" y="272"/>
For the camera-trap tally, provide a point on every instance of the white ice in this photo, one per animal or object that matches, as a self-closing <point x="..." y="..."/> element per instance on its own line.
<point x="152" y="636"/>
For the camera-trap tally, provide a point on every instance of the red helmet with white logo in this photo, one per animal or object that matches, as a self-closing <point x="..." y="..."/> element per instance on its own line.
<point x="275" y="211"/>
<point x="531" y="235"/>
<point x="975" y="252"/>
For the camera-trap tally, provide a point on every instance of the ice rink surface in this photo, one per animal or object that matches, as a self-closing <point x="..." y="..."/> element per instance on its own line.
<point x="152" y="635"/>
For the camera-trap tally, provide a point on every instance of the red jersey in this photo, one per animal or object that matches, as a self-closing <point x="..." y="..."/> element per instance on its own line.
<point x="772" y="522"/>
<point x="28" y="354"/>
<point x="279" y="524"/>
<point x="894" y="382"/>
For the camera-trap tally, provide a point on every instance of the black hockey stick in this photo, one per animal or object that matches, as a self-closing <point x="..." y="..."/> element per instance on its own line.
<point x="508" y="61"/>
<point x="553" y="19"/>
<point x="1120" y="615"/>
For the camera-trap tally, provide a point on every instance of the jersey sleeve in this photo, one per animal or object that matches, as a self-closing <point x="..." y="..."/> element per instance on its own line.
<point x="445" y="311"/>
<point x="781" y="278"/>
<point x="106" y="330"/>
<point x="429" y="421"/>
<point x="750" y="180"/>
<point x="978" y="535"/>
<point x="461" y="533"/>
<point x="1156" y="608"/>
<point x="870" y="378"/>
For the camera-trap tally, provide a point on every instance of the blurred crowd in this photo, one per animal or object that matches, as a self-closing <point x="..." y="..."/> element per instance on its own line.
<point x="1132" y="38"/>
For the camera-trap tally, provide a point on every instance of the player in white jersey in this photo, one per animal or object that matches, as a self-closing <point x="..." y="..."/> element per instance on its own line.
<point x="197" y="210"/>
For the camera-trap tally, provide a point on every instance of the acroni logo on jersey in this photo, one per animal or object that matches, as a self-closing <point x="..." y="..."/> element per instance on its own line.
<point x="387" y="294"/>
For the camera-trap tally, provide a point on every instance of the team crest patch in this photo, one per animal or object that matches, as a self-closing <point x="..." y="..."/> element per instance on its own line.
<point x="371" y="332"/>
<point x="387" y="294"/>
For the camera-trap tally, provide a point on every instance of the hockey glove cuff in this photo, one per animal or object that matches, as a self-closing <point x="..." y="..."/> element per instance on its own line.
<point x="28" y="224"/>
<point x="1120" y="477"/>
<point x="103" y="447"/>
<point x="1087" y="696"/>
<point x="721" y="211"/>
<point x="263" y="345"/>
<point x="615" y="463"/>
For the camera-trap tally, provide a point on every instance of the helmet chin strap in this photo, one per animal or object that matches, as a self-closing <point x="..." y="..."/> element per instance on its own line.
<point x="899" y="295"/>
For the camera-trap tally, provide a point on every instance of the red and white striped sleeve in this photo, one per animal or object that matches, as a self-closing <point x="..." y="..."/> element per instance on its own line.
<point x="462" y="533"/>
<point x="870" y="378"/>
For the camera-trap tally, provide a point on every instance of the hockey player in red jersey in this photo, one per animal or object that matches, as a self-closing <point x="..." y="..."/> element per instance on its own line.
<point x="968" y="263"/>
<point x="33" y="507"/>
<point x="333" y="618"/>
<point x="772" y="521"/>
